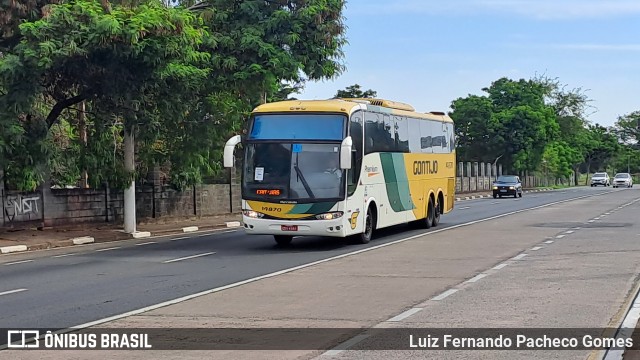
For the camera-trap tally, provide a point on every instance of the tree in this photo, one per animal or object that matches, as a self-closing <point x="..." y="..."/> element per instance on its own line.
<point x="512" y="123"/>
<point x="136" y="65"/>
<point x="354" y="91"/>
<point x="256" y="49"/>
<point x="601" y="146"/>
<point x="628" y="128"/>
<point x="472" y="116"/>
<point x="571" y="108"/>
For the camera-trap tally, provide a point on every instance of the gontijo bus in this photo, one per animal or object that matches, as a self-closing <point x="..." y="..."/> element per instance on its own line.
<point x="343" y="167"/>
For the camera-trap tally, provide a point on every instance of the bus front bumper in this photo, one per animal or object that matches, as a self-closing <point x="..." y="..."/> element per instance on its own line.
<point x="334" y="228"/>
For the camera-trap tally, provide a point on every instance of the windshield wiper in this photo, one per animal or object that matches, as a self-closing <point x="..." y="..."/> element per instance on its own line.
<point x="304" y="181"/>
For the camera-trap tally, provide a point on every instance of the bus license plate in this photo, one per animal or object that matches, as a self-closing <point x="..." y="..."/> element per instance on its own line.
<point x="289" y="227"/>
<point x="503" y="190"/>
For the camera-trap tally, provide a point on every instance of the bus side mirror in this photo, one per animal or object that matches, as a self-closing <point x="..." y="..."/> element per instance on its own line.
<point x="345" y="153"/>
<point x="228" y="150"/>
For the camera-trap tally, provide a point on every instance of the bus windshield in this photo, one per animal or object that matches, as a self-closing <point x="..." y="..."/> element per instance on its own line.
<point x="298" y="127"/>
<point x="298" y="172"/>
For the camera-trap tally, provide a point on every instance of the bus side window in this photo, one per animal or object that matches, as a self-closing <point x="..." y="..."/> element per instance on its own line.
<point x="356" y="133"/>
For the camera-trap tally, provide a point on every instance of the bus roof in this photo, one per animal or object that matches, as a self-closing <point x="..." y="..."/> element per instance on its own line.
<point x="347" y="106"/>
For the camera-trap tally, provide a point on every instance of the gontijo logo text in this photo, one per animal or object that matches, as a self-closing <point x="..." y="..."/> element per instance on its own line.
<point x="31" y="339"/>
<point x="425" y="167"/>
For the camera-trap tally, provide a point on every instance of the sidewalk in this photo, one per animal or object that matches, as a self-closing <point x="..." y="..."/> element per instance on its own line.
<point x="32" y="239"/>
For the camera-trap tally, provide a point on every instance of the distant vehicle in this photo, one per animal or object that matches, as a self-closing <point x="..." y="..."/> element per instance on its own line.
<point x="601" y="178"/>
<point x="622" y="179"/>
<point x="507" y="185"/>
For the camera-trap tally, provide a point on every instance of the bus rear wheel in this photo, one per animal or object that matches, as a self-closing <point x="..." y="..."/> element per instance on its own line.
<point x="283" y="240"/>
<point x="427" y="221"/>
<point x="436" y="214"/>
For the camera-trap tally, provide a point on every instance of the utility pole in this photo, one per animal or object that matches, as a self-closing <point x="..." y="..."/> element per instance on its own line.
<point x="130" y="192"/>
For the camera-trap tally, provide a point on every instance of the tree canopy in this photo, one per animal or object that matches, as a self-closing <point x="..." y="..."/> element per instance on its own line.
<point x="355" y="91"/>
<point x="74" y="74"/>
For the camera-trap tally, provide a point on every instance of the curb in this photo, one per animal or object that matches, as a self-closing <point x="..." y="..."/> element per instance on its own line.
<point x="116" y="236"/>
<point x="12" y="249"/>
<point x="472" y="197"/>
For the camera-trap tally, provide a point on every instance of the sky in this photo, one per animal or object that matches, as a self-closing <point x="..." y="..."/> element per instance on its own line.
<point x="430" y="52"/>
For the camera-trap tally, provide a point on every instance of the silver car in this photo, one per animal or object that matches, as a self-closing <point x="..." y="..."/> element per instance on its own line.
<point x="601" y="178"/>
<point x="622" y="179"/>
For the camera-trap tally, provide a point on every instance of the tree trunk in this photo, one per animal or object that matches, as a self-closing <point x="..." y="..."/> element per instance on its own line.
<point x="130" y="192"/>
<point x="586" y="182"/>
<point x="82" y="127"/>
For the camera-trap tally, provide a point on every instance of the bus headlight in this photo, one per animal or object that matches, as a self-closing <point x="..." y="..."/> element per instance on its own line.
<point x="495" y="188"/>
<point x="512" y="188"/>
<point x="330" y="216"/>
<point x="252" y="214"/>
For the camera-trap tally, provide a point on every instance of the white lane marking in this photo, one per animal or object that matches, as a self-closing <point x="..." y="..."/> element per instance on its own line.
<point x="495" y="202"/>
<point x="625" y="330"/>
<point x="560" y="236"/>
<point x="209" y="232"/>
<point x="304" y="266"/>
<point x="64" y="255"/>
<point x="590" y="221"/>
<point x="108" y="249"/>
<point x="147" y="243"/>
<point x="519" y="257"/>
<point x="345" y="345"/>
<point x="405" y="314"/>
<point x="183" y="237"/>
<point x="476" y="278"/>
<point x="536" y="248"/>
<point x="549" y="242"/>
<point x="188" y="257"/>
<point x="576" y="228"/>
<point x="607" y="213"/>
<point x="569" y="232"/>
<point x="219" y="232"/>
<point x="501" y="266"/>
<point x="465" y="208"/>
<point x="12" y="291"/>
<point x="445" y="294"/>
<point x="18" y="262"/>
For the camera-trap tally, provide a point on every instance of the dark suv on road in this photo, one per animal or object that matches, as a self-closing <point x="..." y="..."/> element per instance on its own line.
<point x="507" y="185"/>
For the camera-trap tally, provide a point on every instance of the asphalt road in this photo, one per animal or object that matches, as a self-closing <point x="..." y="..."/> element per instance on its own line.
<point x="67" y="287"/>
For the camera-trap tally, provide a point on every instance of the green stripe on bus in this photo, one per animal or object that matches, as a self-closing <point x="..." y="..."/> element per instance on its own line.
<point x="314" y="209"/>
<point x="397" y="182"/>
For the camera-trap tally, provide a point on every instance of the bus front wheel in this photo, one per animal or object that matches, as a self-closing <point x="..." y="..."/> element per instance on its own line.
<point x="283" y="240"/>
<point x="369" y="226"/>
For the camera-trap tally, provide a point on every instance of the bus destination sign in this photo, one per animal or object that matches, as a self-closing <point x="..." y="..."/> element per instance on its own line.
<point x="270" y="192"/>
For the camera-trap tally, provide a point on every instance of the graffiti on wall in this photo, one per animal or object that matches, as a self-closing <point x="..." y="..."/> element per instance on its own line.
<point x="22" y="207"/>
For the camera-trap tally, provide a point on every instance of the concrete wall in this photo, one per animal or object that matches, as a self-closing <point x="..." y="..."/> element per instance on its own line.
<point x="55" y="207"/>
<point x="471" y="177"/>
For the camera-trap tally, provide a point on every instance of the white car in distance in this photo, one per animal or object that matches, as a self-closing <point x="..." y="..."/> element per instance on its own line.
<point x="601" y="178"/>
<point x="622" y="179"/>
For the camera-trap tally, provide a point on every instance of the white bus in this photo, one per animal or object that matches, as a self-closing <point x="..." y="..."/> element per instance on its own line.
<point x="343" y="167"/>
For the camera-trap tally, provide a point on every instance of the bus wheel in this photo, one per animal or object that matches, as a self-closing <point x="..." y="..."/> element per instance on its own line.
<point x="283" y="240"/>
<point x="436" y="215"/>
<point x="369" y="226"/>
<point x="427" y="222"/>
